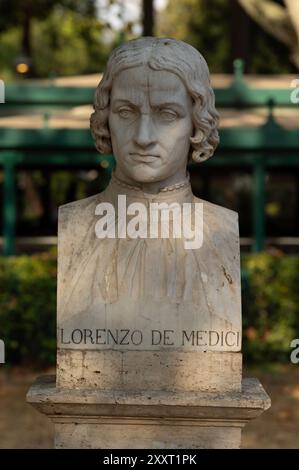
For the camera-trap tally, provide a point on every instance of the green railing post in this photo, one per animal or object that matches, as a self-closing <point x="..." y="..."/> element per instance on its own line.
<point x="258" y="201"/>
<point x="9" y="208"/>
<point x="239" y="66"/>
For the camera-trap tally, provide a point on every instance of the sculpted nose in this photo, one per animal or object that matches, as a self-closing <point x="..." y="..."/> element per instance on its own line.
<point x="145" y="132"/>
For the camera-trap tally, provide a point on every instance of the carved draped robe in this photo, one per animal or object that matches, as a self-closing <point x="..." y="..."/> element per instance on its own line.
<point x="147" y="282"/>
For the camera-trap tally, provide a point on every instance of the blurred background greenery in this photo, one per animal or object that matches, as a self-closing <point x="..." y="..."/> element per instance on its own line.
<point x="71" y="38"/>
<point x="28" y="307"/>
<point x="52" y="54"/>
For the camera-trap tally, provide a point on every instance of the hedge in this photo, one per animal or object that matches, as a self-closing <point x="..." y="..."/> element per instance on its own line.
<point x="28" y="307"/>
<point x="270" y="306"/>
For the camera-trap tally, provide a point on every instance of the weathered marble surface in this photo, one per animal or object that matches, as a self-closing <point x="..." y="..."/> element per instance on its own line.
<point x="122" y="419"/>
<point x="149" y="332"/>
<point x="126" y="301"/>
<point x="148" y="284"/>
<point x="147" y="370"/>
<point x="147" y="295"/>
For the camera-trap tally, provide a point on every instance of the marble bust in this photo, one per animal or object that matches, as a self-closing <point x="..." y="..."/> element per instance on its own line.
<point x="154" y="110"/>
<point x="149" y="299"/>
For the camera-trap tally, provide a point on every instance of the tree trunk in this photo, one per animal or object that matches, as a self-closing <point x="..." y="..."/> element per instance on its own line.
<point x="280" y="22"/>
<point x="240" y="34"/>
<point x="27" y="44"/>
<point x="272" y="17"/>
<point x="148" y="19"/>
<point x="26" y="36"/>
<point x="293" y="10"/>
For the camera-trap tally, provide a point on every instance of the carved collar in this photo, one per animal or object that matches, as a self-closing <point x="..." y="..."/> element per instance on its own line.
<point x="171" y="188"/>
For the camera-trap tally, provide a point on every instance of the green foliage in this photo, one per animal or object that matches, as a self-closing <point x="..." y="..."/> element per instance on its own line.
<point x="16" y="12"/>
<point x="210" y="34"/>
<point x="9" y="50"/>
<point x="207" y="25"/>
<point x="268" y="55"/>
<point x="67" y="44"/>
<point x="270" y="306"/>
<point x="28" y="307"/>
<point x="200" y="23"/>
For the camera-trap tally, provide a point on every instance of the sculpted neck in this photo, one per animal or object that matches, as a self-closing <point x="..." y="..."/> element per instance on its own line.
<point x="156" y="186"/>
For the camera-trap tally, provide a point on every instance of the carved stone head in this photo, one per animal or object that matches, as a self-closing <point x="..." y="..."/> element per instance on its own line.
<point x="154" y="109"/>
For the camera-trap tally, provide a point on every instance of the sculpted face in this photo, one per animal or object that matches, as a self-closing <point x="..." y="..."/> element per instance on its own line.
<point x="150" y="125"/>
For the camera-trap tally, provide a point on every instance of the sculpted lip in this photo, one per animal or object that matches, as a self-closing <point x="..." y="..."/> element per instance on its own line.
<point x="142" y="157"/>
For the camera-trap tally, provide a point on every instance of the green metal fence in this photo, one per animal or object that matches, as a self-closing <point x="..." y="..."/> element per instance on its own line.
<point x="258" y="148"/>
<point x="32" y="97"/>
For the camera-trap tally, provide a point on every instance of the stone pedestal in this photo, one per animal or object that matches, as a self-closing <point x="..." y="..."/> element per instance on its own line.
<point x="149" y="327"/>
<point x="100" y="419"/>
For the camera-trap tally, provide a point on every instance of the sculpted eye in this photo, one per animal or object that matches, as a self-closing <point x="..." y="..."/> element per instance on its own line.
<point x="125" y="113"/>
<point x="167" y="115"/>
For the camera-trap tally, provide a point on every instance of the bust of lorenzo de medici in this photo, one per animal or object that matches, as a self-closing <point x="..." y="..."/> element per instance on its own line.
<point x="155" y="111"/>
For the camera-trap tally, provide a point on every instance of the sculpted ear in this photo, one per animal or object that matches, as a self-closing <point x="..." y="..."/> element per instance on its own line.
<point x="206" y="137"/>
<point x="100" y="130"/>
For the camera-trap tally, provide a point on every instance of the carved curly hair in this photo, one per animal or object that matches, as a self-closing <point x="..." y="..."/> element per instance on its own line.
<point x="173" y="56"/>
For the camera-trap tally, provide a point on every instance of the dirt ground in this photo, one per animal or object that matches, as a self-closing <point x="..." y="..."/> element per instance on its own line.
<point x="23" y="427"/>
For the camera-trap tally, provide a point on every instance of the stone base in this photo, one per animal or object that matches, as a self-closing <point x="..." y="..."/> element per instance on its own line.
<point x="97" y="419"/>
